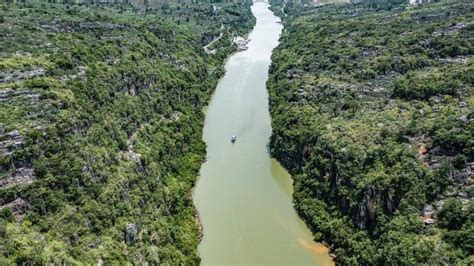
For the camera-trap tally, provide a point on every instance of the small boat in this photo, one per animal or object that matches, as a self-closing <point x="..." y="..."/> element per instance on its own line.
<point x="233" y="139"/>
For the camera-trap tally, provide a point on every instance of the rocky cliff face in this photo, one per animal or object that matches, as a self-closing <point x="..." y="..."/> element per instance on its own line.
<point x="377" y="136"/>
<point x="100" y="130"/>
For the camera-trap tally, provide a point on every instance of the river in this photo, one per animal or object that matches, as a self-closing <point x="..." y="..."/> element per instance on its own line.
<point x="243" y="196"/>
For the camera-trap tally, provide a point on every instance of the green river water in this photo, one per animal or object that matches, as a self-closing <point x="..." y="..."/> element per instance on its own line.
<point x="243" y="196"/>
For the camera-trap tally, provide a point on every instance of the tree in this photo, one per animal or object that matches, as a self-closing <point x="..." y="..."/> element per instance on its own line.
<point x="452" y="215"/>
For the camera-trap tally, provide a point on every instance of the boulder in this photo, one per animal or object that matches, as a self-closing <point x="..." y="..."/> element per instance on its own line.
<point x="131" y="233"/>
<point x="428" y="221"/>
<point x="18" y="208"/>
<point x="428" y="211"/>
<point x="462" y="118"/>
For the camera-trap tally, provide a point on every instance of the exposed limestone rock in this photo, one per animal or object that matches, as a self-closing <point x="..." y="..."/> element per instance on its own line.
<point x="462" y="118"/>
<point x="81" y="73"/>
<point x="5" y="94"/>
<point x="417" y="2"/>
<point x="22" y="176"/>
<point x="428" y="221"/>
<point x="18" y="208"/>
<point x="458" y="60"/>
<point x="14" y="140"/>
<point x="131" y="154"/>
<point x="439" y="204"/>
<point x="435" y="100"/>
<point x="131" y="233"/>
<point x="74" y="26"/>
<point x="175" y="116"/>
<point x="82" y="70"/>
<point x="100" y="25"/>
<point x="13" y="75"/>
<point x="428" y="211"/>
<point x="15" y="136"/>
<point x="133" y="86"/>
<point x="370" y="53"/>
<point x="293" y="74"/>
<point x="450" y="30"/>
<point x="197" y="220"/>
<point x="463" y="176"/>
<point x="9" y="95"/>
<point x="366" y="210"/>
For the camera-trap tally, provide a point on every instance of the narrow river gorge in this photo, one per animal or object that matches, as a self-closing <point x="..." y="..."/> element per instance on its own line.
<point x="243" y="196"/>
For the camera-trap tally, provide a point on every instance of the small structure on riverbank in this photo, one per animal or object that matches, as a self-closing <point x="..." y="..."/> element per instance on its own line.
<point x="242" y="43"/>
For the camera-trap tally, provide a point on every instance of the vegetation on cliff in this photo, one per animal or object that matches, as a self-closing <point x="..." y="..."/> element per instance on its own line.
<point x="372" y="112"/>
<point x="100" y="129"/>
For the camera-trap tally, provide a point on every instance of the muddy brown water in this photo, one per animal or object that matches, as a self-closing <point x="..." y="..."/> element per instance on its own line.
<point x="243" y="196"/>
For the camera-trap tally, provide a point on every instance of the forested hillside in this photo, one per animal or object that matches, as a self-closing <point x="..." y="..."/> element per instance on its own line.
<point x="372" y="110"/>
<point x="100" y="129"/>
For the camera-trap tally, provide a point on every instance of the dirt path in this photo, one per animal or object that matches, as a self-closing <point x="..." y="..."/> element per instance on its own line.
<point x="206" y="47"/>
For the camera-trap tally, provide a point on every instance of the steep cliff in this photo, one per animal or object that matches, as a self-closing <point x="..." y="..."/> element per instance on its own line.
<point x="100" y="129"/>
<point x="372" y="111"/>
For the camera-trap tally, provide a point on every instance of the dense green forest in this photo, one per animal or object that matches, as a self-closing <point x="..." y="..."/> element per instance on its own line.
<point x="372" y="108"/>
<point x="100" y="128"/>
